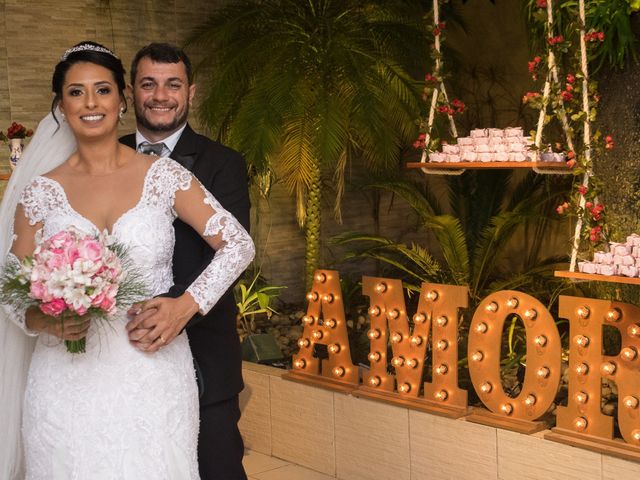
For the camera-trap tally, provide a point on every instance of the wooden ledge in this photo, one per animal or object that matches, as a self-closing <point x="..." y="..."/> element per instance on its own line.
<point x="594" y="277"/>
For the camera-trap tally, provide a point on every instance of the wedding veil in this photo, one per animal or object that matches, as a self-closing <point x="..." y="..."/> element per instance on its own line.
<point x="51" y="145"/>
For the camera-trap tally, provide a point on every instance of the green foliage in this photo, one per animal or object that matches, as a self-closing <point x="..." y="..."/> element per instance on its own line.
<point x="476" y="237"/>
<point x="254" y="297"/>
<point x="301" y="85"/>
<point x="613" y="17"/>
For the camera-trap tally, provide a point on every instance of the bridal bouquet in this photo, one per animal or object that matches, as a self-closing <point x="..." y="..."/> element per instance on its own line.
<point x="72" y="274"/>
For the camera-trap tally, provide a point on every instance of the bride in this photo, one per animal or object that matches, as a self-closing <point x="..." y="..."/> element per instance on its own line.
<point x="114" y="412"/>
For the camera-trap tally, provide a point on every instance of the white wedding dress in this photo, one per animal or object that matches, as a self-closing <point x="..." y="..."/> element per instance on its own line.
<point x="115" y="412"/>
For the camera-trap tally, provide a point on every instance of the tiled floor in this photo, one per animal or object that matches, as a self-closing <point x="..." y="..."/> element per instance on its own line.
<point x="263" y="467"/>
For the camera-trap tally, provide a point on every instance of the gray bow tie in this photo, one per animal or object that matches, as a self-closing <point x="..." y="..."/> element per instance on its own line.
<point x="152" y="148"/>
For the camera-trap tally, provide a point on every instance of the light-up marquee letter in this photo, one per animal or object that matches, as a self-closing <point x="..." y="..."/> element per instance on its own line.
<point x="437" y="313"/>
<point x="582" y="422"/>
<point x="325" y="324"/>
<point x="542" y="376"/>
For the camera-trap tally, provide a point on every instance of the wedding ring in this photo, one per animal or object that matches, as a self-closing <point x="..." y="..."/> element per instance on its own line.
<point x="162" y="339"/>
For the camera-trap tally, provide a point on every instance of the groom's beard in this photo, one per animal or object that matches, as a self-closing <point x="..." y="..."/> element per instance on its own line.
<point x="179" y="120"/>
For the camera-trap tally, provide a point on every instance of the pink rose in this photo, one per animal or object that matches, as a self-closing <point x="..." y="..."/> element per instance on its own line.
<point x="107" y="304"/>
<point x="55" y="262"/>
<point x="98" y="299"/>
<point x="81" y="310"/>
<point x="54" y="307"/>
<point x="72" y="254"/>
<point x="90" y="249"/>
<point x="38" y="290"/>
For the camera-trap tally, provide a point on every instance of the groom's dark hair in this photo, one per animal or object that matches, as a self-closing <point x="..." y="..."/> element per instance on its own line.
<point x="162" y="53"/>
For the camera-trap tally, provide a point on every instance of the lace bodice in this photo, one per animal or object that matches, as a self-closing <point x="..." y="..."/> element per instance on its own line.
<point x="146" y="230"/>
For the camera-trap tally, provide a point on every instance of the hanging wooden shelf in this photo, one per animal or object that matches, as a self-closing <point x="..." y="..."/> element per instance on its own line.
<point x="593" y="277"/>
<point x="554" y="168"/>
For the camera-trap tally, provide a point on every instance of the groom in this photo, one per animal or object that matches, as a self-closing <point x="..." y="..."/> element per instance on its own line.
<point x="163" y="89"/>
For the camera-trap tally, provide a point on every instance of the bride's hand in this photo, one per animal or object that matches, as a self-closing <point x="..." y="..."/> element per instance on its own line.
<point x="68" y="328"/>
<point x="159" y="320"/>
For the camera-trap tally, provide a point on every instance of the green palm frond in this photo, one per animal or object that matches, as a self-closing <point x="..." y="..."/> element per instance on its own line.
<point x="414" y="261"/>
<point x="452" y="241"/>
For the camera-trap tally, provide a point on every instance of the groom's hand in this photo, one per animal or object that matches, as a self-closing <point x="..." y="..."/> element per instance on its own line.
<point x="136" y="326"/>
<point x="158" y="321"/>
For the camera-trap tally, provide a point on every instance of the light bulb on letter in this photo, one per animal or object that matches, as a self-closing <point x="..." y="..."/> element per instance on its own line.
<point x="393" y="314"/>
<point x="583" y="312"/>
<point x="338" y="371"/>
<point x="580" y="423"/>
<point x="441" y="395"/>
<point x="582" y="369"/>
<point x="477" y="356"/>
<point x="541" y="340"/>
<point x="442" y="369"/>
<point x="629" y="353"/>
<point x="581" y="340"/>
<point x="373" y="334"/>
<point x="396" y="337"/>
<point x="543" y="372"/>
<point x="614" y="315"/>
<point x="374" y="357"/>
<point x="381" y="287"/>
<point x="432" y="296"/>
<point x="328" y="298"/>
<point x="608" y="368"/>
<point x="481" y="327"/>
<point x="582" y="397"/>
<point x="405" y="388"/>
<point x="486" y="387"/>
<point x="398" y="361"/>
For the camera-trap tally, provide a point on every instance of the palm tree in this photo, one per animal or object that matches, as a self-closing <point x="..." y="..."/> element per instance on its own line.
<point x="302" y="87"/>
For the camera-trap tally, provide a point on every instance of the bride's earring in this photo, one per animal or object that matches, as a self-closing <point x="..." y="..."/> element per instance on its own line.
<point x="121" y="114"/>
<point x="62" y="114"/>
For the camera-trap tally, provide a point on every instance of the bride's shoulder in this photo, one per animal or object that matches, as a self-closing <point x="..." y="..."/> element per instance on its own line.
<point x="172" y="172"/>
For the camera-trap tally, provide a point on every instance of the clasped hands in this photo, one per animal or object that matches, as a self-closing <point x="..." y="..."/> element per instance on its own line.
<point x="156" y="322"/>
<point x="152" y="325"/>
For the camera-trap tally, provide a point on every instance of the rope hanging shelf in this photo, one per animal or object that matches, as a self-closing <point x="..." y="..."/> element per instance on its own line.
<point x="458" y="168"/>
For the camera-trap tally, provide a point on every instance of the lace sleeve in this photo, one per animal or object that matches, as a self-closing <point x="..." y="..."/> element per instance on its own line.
<point x="233" y="245"/>
<point x="16" y="313"/>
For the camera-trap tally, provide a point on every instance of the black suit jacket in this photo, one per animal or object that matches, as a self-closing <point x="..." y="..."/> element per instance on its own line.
<point x="213" y="337"/>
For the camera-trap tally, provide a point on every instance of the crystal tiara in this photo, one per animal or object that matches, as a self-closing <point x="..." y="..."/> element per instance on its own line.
<point x="86" y="47"/>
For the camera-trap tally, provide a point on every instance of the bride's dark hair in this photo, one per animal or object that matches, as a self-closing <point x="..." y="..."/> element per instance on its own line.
<point x="87" y="52"/>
